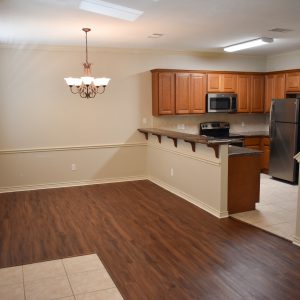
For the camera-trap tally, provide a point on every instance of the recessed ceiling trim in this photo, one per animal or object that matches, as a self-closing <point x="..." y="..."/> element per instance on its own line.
<point x="110" y="9"/>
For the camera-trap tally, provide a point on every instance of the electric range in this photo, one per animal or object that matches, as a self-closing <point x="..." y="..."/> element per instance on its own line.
<point x="220" y="131"/>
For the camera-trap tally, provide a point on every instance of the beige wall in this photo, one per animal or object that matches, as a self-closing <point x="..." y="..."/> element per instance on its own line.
<point x="198" y="177"/>
<point x="283" y="61"/>
<point x="44" y="128"/>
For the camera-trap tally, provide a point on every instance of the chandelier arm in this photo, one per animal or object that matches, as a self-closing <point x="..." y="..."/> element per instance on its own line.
<point x="72" y="90"/>
<point x="103" y="89"/>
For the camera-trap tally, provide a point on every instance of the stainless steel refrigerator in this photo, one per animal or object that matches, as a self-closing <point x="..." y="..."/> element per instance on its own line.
<point x="284" y="137"/>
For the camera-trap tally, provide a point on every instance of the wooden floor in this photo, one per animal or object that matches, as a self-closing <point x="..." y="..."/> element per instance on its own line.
<point x="154" y="244"/>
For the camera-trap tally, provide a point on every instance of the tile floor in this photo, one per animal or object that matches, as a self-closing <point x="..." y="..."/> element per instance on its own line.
<point x="276" y="211"/>
<point x="76" y="278"/>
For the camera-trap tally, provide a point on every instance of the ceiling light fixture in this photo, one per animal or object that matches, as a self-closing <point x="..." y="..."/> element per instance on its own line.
<point x="111" y="10"/>
<point x="248" y="44"/>
<point x="87" y="86"/>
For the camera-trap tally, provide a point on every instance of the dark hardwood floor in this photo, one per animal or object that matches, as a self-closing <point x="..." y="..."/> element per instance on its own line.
<point x="154" y="244"/>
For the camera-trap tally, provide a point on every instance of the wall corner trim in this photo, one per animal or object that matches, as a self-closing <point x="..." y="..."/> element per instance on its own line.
<point x="296" y="241"/>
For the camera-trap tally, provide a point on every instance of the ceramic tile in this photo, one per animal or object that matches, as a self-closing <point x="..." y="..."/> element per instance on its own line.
<point x="109" y="294"/>
<point x="11" y="275"/>
<point x="90" y="281"/>
<point x="48" y="288"/>
<point x="82" y="263"/>
<point x="285" y="230"/>
<point x="12" y="292"/>
<point x="276" y="211"/>
<point x="42" y="270"/>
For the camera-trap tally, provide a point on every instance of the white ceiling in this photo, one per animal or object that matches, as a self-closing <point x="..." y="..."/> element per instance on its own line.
<point x="192" y="25"/>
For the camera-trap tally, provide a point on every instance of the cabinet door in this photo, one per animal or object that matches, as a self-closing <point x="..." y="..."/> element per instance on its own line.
<point x="197" y="93"/>
<point x="257" y="93"/>
<point x="279" y="86"/>
<point x="244" y="93"/>
<point x="293" y="82"/>
<point x="214" y="83"/>
<point x="182" y="93"/>
<point x="269" y="90"/>
<point x="166" y="93"/>
<point x="275" y="89"/>
<point x="228" y="83"/>
<point x="266" y="154"/>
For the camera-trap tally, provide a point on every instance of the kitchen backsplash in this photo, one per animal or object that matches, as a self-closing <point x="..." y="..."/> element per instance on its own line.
<point x="190" y="124"/>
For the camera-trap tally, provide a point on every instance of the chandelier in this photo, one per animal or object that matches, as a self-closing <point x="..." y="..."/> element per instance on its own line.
<point x="87" y="86"/>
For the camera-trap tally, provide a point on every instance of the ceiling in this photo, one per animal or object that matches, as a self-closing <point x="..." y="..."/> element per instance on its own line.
<point x="186" y="25"/>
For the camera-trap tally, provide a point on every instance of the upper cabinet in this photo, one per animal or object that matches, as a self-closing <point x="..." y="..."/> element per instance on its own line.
<point x="293" y="82"/>
<point x="224" y="83"/>
<point x="274" y="88"/>
<point x="178" y="93"/>
<point x="250" y="91"/>
<point x="163" y="93"/>
<point x="257" y="93"/>
<point x="244" y="93"/>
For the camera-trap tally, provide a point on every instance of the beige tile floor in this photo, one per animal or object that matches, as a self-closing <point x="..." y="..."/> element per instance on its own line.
<point x="276" y="211"/>
<point x="75" y="278"/>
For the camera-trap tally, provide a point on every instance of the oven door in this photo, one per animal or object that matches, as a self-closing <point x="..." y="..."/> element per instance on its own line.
<point x="221" y="103"/>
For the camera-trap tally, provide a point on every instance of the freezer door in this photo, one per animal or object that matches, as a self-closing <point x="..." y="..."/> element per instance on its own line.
<point x="285" y="110"/>
<point x="283" y="148"/>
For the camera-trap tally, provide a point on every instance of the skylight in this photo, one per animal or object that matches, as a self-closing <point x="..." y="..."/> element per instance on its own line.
<point x="110" y="9"/>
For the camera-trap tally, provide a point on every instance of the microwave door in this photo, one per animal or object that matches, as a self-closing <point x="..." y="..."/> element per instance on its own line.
<point x="219" y="104"/>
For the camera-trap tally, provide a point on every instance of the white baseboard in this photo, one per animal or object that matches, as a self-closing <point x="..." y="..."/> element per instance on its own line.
<point x="190" y="198"/>
<point x="296" y="241"/>
<point x="69" y="184"/>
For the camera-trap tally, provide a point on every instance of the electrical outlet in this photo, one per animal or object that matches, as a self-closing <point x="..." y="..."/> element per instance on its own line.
<point x="73" y="167"/>
<point x="180" y="126"/>
<point x="144" y="120"/>
<point x="243" y="124"/>
<point x="172" y="172"/>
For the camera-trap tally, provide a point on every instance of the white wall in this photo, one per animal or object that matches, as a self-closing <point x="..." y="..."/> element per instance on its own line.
<point x="285" y="61"/>
<point x="44" y="128"/>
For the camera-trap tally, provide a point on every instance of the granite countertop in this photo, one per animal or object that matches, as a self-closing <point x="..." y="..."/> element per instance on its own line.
<point x="252" y="133"/>
<point x="195" y="138"/>
<point x="240" y="151"/>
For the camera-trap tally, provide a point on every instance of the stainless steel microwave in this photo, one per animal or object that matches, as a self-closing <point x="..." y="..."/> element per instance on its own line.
<point x="221" y="103"/>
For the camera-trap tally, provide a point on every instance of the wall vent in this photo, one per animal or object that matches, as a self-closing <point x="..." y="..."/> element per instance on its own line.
<point x="281" y="30"/>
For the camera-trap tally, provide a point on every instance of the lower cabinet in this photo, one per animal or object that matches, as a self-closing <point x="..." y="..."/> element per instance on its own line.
<point x="243" y="182"/>
<point x="263" y="144"/>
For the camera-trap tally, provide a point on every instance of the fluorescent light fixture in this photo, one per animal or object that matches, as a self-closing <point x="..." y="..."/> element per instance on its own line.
<point x="110" y="9"/>
<point x="248" y="44"/>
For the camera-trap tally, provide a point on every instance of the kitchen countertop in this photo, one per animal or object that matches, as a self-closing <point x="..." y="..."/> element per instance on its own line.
<point x="193" y="139"/>
<point x="240" y="151"/>
<point x="253" y="133"/>
<point x="201" y="139"/>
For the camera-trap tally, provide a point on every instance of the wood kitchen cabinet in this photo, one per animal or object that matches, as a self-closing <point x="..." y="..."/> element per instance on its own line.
<point x="252" y="142"/>
<point x="274" y="88"/>
<point x="221" y="83"/>
<point x="244" y="93"/>
<point x="257" y="93"/>
<point x="263" y="144"/>
<point x="176" y="92"/>
<point x="292" y="82"/>
<point x="243" y="182"/>
<point x="163" y="93"/>
<point x="250" y="91"/>
<point x="190" y="93"/>
<point x="265" y="147"/>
